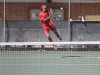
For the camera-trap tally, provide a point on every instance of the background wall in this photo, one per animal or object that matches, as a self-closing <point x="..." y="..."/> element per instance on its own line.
<point x="20" y="11"/>
<point x="84" y="9"/>
<point x="2" y="9"/>
<point x="56" y="1"/>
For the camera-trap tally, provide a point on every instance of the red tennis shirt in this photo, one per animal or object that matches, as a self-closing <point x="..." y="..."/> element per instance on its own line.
<point x="44" y="15"/>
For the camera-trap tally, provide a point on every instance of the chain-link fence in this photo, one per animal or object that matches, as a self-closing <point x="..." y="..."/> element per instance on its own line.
<point x="80" y="19"/>
<point x="2" y="6"/>
<point x="85" y="20"/>
<point x="25" y="17"/>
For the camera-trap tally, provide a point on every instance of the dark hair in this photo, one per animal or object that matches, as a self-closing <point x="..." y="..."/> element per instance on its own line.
<point x="41" y="9"/>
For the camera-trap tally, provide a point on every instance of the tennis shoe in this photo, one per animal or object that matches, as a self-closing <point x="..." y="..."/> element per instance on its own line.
<point x="60" y="38"/>
<point x="55" y="47"/>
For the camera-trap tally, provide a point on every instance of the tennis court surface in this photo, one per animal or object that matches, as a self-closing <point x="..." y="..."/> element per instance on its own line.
<point x="49" y="62"/>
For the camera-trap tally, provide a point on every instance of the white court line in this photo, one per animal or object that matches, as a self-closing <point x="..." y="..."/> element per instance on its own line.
<point x="92" y="57"/>
<point x="52" y="64"/>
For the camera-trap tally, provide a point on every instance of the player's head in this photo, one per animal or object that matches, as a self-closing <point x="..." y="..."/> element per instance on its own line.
<point x="43" y="8"/>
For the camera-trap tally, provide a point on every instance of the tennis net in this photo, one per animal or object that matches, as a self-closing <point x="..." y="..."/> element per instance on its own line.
<point x="49" y="46"/>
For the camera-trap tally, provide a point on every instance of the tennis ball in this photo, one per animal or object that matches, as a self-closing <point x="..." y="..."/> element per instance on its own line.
<point x="61" y="8"/>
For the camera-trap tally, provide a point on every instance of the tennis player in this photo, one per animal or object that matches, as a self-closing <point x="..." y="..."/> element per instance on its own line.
<point x="47" y="24"/>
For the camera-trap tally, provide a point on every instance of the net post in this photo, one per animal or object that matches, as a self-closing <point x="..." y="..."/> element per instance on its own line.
<point x="4" y="38"/>
<point x="69" y="23"/>
<point x="69" y="26"/>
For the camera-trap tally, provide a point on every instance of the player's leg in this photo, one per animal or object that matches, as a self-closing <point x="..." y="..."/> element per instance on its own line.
<point x="55" y="31"/>
<point x="49" y="38"/>
<point x="47" y="33"/>
<point x="53" y="28"/>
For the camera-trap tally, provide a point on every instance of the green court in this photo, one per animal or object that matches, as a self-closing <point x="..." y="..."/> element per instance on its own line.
<point x="49" y="63"/>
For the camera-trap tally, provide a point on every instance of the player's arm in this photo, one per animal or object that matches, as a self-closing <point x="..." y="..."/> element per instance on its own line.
<point x="48" y="18"/>
<point x="45" y="19"/>
<point x="41" y="17"/>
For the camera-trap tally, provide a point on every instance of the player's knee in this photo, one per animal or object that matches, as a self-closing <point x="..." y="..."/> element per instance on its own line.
<point x="55" y="31"/>
<point x="48" y="36"/>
